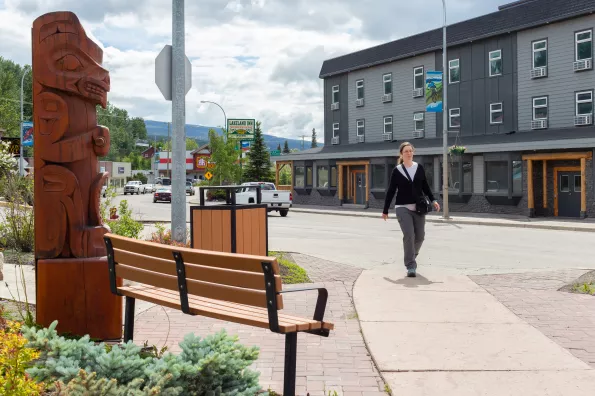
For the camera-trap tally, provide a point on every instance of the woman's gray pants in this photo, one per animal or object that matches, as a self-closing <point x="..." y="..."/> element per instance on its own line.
<point x="413" y="227"/>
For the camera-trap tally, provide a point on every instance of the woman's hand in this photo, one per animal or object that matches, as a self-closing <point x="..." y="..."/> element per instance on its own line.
<point x="385" y="216"/>
<point x="437" y="206"/>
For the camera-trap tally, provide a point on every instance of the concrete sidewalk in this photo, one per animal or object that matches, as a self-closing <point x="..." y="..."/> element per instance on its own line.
<point x="500" y="220"/>
<point x="442" y="334"/>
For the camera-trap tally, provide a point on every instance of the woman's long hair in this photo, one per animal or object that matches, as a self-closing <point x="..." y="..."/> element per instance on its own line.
<point x="403" y="145"/>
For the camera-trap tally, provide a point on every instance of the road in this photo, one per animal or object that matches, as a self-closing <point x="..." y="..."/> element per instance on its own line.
<point x="369" y="242"/>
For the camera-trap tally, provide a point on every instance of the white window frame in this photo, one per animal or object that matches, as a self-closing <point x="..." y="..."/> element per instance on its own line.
<point x="539" y="50"/>
<point x="451" y="68"/>
<point x="577" y="102"/>
<point x="388" y="120"/>
<point x="335" y="129"/>
<point x="337" y="92"/>
<point x="451" y="116"/>
<point x="492" y="111"/>
<point x="360" y="124"/>
<point x="490" y="60"/>
<point x="540" y="106"/>
<point x="577" y="42"/>
<point x="387" y="80"/>
<point x="357" y="87"/>
<point x="422" y="119"/>
<point x="416" y="73"/>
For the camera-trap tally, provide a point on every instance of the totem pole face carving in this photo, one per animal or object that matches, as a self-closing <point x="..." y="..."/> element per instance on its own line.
<point x="68" y="83"/>
<point x="69" y="61"/>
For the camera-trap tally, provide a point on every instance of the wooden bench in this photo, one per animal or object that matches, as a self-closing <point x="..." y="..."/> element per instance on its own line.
<point x="236" y="288"/>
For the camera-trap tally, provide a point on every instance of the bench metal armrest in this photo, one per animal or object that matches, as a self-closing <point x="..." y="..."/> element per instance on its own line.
<point x="111" y="264"/>
<point x="320" y="302"/>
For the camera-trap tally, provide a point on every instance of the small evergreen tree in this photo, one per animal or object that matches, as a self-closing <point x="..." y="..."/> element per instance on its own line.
<point x="286" y="148"/>
<point x="314" y="142"/>
<point x="279" y="147"/>
<point x="259" y="160"/>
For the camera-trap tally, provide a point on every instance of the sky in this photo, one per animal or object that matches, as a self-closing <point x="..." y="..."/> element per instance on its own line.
<point x="256" y="58"/>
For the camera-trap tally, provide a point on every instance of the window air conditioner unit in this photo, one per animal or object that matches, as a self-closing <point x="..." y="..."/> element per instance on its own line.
<point x="584" y="64"/>
<point x="583" y="120"/>
<point x="359" y="102"/>
<point x="335" y="106"/>
<point x="539" y="72"/>
<point x="387" y="97"/>
<point x="418" y="134"/>
<point x="336" y="140"/>
<point x="418" y="92"/>
<point x="387" y="136"/>
<point x="361" y="138"/>
<point x="538" y="124"/>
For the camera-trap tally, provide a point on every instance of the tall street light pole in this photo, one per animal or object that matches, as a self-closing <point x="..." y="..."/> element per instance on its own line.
<point x="21" y="160"/>
<point x="224" y="115"/>
<point x="444" y="118"/>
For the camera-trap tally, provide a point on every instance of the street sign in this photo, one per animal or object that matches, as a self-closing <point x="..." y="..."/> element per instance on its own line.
<point x="275" y="153"/>
<point x="163" y="72"/>
<point x="209" y="175"/>
<point x="241" y="129"/>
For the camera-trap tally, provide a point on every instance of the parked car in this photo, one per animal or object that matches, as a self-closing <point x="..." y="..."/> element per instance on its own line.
<point x="104" y="191"/>
<point x="132" y="187"/>
<point x="190" y="188"/>
<point x="163" y="194"/>
<point x="276" y="200"/>
<point x="148" y="188"/>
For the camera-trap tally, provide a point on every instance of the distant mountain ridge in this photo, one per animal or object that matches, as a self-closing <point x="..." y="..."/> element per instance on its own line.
<point x="201" y="133"/>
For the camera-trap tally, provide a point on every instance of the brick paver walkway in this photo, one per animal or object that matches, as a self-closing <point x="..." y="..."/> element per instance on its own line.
<point x="566" y="318"/>
<point x="339" y="363"/>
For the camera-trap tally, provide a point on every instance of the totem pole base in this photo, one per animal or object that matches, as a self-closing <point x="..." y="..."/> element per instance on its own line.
<point x="76" y="293"/>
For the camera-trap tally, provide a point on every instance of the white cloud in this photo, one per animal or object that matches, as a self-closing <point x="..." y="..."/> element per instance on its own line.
<point x="256" y="58"/>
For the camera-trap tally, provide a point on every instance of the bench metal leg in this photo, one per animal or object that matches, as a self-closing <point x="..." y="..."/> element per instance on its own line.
<point x="129" y="319"/>
<point x="290" y="364"/>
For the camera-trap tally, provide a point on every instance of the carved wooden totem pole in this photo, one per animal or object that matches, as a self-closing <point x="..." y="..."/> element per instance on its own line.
<point x="72" y="272"/>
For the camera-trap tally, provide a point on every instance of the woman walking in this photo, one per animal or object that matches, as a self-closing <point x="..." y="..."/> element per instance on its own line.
<point x="407" y="180"/>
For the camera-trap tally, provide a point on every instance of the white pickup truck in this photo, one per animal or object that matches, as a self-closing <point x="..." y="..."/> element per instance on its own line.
<point x="276" y="200"/>
<point x="134" y="186"/>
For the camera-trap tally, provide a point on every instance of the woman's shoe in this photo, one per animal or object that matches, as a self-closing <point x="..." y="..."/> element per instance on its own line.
<point x="411" y="273"/>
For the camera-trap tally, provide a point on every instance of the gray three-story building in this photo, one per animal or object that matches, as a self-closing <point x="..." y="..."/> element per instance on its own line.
<point x="520" y="99"/>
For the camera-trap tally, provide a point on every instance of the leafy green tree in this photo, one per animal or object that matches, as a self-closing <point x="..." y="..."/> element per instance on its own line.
<point x="191" y="144"/>
<point x="286" y="148"/>
<point x="10" y="96"/>
<point x="138" y="127"/>
<point x="225" y="157"/>
<point x="259" y="160"/>
<point x="314" y="142"/>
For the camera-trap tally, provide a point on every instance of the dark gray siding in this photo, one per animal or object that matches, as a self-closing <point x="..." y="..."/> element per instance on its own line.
<point x="341" y="115"/>
<point x="477" y="90"/>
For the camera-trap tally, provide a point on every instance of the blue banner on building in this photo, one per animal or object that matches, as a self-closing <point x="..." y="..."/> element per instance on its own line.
<point x="27" y="133"/>
<point x="434" y="91"/>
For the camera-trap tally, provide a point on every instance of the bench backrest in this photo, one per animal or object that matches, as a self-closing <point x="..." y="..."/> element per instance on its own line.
<point x="237" y="278"/>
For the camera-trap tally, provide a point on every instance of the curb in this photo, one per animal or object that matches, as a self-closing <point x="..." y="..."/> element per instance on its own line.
<point x="462" y="222"/>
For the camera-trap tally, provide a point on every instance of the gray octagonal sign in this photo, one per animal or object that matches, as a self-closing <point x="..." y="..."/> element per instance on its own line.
<point x="163" y="72"/>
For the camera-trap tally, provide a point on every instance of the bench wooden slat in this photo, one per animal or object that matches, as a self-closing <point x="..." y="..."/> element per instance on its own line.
<point x="198" y="288"/>
<point x="301" y="323"/>
<point x="199" y="309"/>
<point x="249" y="280"/>
<point x="240" y="262"/>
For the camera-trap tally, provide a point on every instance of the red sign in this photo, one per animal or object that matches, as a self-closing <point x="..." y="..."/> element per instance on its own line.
<point x="201" y="161"/>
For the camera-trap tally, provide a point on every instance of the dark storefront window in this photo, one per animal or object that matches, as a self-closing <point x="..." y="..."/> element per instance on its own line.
<point x="429" y="168"/>
<point x="300" y="177"/>
<point x="333" y="176"/>
<point x="308" y="176"/>
<point x="322" y="176"/>
<point x="457" y="184"/>
<point x="503" y="174"/>
<point x="496" y="176"/>
<point x="378" y="175"/>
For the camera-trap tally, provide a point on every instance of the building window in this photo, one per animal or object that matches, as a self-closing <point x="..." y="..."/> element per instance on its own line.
<point x="577" y="183"/>
<point x="496" y="63"/>
<point x="496" y="113"/>
<point x="503" y="176"/>
<point x="333" y="176"/>
<point x="418" y="122"/>
<point x="584" y="103"/>
<point x="336" y="129"/>
<point x="584" y="45"/>
<point x="457" y="184"/>
<point x="540" y="108"/>
<point x="454" y="71"/>
<point x="388" y="124"/>
<point x="359" y="88"/>
<point x="322" y="176"/>
<point x="378" y="176"/>
<point x="308" y="176"/>
<point x="300" y="172"/>
<point x="361" y="130"/>
<point x="418" y="77"/>
<point x="335" y="94"/>
<point x="454" y="118"/>
<point x="429" y="169"/>
<point x="387" y="80"/>
<point x="539" y="54"/>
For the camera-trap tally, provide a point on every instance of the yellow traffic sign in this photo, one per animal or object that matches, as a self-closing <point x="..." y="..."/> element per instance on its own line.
<point x="209" y="175"/>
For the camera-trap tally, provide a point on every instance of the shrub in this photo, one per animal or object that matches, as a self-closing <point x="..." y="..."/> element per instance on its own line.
<point x="125" y="225"/>
<point x="17" y="222"/>
<point x="164" y="236"/>
<point x="215" y="365"/>
<point x="15" y="358"/>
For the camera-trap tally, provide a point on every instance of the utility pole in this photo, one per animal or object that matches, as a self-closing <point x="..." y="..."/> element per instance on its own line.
<point x="303" y="137"/>
<point x="444" y="118"/>
<point x="21" y="160"/>
<point x="168" y="173"/>
<point x="178" y="84"/>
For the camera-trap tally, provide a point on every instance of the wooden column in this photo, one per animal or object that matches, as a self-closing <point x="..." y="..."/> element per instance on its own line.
<point x="276" y="174"/>
<point x="583" y="188"/>
<point x="544" y="184"/>
<point x="340" y="183"/>
<point x="367" y="184"/>
<point x="348" y="182"/>
<point x="530" y="192"/>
